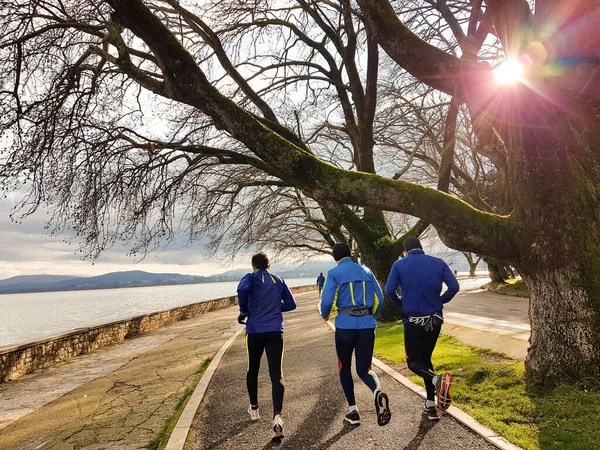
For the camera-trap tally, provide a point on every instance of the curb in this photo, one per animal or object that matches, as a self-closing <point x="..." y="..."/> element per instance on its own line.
<point x="182" y="428"/>
<point x="458" y="414"/>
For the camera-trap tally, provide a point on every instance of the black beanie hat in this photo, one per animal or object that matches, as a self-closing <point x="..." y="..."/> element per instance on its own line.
<point x="341" y="250"/>
<point x="412" y="242"/>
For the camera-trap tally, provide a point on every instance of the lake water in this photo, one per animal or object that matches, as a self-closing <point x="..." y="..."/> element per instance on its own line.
<point x="29" y="317"/>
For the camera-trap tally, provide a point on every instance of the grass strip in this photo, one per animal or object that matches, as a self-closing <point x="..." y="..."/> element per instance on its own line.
<point x="162" y="438"/>
<point x="512" y="287"/>
<point x="491" y="388"/>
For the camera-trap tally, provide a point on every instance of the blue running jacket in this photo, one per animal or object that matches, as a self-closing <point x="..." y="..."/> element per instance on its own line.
<point x="420" y="277"/>
<point x="351" y="284"/>
<point x="263" y="297"/>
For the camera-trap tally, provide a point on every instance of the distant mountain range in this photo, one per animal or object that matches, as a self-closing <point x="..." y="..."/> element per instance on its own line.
<point x="138" y="278"/>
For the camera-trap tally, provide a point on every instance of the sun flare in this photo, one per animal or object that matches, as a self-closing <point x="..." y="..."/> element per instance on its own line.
<point x="509" y="72"/>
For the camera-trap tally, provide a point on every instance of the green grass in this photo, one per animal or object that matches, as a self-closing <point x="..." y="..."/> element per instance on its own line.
<point x="204" y="365"/>
<point x="512" y="287"/>
<point x="491" y="388"/>
<point x="162" y="438"/>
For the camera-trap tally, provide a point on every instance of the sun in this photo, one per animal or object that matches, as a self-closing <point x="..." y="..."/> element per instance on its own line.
<point x="509" y="72"/>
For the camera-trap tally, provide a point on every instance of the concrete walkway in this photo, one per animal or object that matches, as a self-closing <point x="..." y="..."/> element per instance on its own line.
<point x="484" y="319"/>
<point x="314" y="405"/>
<point x="118" y="397"/>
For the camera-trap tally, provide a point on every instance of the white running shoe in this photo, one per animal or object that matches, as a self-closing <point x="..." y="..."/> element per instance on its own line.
<point x="277" y="427"/>
<point x="254" y="415"/>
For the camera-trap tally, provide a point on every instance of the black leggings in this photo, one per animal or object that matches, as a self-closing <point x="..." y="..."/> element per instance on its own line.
<point x="419" y="345"/>
<point x="360" y="342"/>
<point x="272" y="343"/>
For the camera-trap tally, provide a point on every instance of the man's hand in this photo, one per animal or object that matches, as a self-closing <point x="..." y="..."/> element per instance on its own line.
<point x="327" y="318"/>
<point x="242" y="319"/>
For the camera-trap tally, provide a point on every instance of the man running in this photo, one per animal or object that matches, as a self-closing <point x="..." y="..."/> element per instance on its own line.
<point x="354" y="291"/>
<point x="320" y="282"/>
<point x="420" y="278"/>
<point x="263" y="297"/>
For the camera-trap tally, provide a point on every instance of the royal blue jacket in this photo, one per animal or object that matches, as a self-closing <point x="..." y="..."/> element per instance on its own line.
<point x="351" y="284"/>
<point x="420" y="278"/>
<point x="263" y="297"/>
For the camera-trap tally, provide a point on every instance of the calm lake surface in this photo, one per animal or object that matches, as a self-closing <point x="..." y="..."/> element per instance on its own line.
<point x="29" y="317"/>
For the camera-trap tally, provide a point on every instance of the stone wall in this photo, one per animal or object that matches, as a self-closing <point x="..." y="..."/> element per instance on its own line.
<point x="19" y="360"/>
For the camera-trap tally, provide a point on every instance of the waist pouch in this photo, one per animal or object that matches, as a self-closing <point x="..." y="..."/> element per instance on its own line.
<point x="356" y="311"/>
<point x="427" y="322"/>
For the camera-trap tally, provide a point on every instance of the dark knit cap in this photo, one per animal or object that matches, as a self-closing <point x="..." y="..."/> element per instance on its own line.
<point x="412" y="242"/>
<point x="341" y="250"/>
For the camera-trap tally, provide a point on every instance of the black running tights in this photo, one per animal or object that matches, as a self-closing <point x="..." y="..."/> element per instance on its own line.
<point x="272" y="344"/>
<point x="360" y="342"/>
<point x="419" y="345"/>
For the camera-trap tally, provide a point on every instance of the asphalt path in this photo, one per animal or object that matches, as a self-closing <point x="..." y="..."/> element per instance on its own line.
<point x="314" y="404"/>
<point x="475" y="301"/>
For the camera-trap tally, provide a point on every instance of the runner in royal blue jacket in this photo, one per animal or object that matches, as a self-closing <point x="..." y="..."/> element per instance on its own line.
<point x="420" y="279"/>
<point x="263" y="297"/>
<point x="353" y="291"/>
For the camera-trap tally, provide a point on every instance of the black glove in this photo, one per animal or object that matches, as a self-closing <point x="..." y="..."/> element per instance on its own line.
<point x="242" y="318"/>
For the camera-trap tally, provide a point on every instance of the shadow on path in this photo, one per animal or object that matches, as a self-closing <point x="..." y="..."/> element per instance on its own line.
<point x="317" y="422"/>
<point x="236" y="430"/>
<point x="347" y="428"/>
<point x="424" y="428"/>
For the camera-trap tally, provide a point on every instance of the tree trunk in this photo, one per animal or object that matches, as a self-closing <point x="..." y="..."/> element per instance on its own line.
<point x="472" y="268"/>
<point x="555" y="171"/>
<point x="494" y="270"/>
<point x="565" y="324"/>
<point x="380" y="261"/>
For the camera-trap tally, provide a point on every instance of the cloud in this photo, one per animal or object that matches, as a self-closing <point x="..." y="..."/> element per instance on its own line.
<point x="26" y="248"/>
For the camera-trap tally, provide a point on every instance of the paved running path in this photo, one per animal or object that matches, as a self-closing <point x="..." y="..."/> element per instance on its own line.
<point x="314" y="404"/>
<point x="475" y="301"/>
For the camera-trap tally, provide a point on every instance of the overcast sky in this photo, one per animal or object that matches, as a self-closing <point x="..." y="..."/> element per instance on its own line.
<point x="27" y="249"/>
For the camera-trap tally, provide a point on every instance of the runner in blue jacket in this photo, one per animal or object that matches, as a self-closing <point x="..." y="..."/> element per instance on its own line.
<point x="353" y="291"/>
<point x="262" y="298"/>
<point x="420" y="278"/>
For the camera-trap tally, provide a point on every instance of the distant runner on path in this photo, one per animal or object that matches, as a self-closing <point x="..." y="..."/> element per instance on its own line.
<point x="263" y="297"/>
<point x="420" y="278"/>
<point x="354" y="291"/>
<point x="320" y="282"/>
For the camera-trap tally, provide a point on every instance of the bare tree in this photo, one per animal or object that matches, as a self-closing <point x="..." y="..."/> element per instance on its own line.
<point x="473" y="261"/>
<point x="79" y="77"/>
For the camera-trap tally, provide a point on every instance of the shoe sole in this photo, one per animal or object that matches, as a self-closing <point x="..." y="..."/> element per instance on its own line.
<point x="352" y="422"/>
<point x="278" y="430"/>
<point x="444" y="397"/>
<point x="433" y="417"/>
<point x="382" y="404"/>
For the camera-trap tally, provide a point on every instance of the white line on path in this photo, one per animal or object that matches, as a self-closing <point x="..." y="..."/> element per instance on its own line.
<point x="453" y="411"/>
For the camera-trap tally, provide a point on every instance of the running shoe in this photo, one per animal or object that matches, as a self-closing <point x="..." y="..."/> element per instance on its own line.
<point x="254" y="415"/>
<point x="277" y="427"/>
<point x="382" y="406"/>
<point x="443" y="385"/>
<point x="431" y="411"/>
<point x="353" y="418"/>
